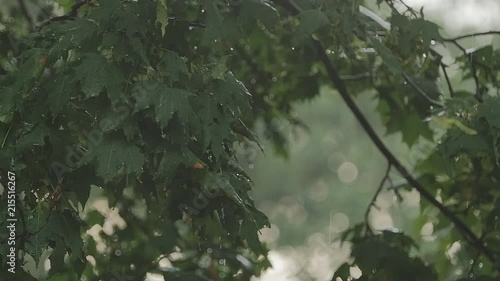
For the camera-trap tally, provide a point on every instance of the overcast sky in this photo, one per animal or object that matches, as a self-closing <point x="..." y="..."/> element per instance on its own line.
<point x="459" y="16"/>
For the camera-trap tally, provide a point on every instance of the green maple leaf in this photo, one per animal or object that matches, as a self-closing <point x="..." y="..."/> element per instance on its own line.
<point x="85" y="28"/>
<point x="36" y="137"/>
<point x="174" y="66"/>
<point x="96" y="74"/>
<point x="112" y="154"/>
<point x="59" y="91"/>
<point x="166" y="101"/>
<point x="8" y="100"/>
<point x="171" y="160"/>
<point x="58" y="224"/>
<point x="489" y="111"/>
<point x="310" y="21"/>
<point x="216" y="124"/>
<point x="232" y="92"/>
<point x="161" y="15"/>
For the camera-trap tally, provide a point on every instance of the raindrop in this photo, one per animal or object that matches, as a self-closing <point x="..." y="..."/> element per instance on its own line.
<point x="251" y="166"/>
<point x="275" y="79"/>
<point x="433" y="42"/>
<point x="118" y="253"/>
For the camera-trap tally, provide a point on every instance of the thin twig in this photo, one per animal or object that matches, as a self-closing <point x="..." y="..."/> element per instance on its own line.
<point x="26" y="14"/>
<point x="473" y="67"/>
<point x="420" y="91"/>
<point x="375" y="196"/>
<point x="69" y="16"/>
<point x="448" y="82"/>
<point x="463" y="229"/>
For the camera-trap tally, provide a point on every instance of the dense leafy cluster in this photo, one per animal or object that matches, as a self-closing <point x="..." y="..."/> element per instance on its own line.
<point x="106" y="100"/>
<point x="142" y="101"/>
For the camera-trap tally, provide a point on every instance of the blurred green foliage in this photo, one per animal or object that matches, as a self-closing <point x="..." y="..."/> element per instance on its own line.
<point x="146" y="104"/>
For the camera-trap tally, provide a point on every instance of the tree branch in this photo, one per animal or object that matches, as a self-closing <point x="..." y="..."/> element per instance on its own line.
<point x="448" y="82"/>
<point x="339" y="84"/>
<point x="472" y="65"/>
<point x="69" y="16"/>
<point x="26" y="14"/>
<point x="375" y="196"/>
<point x="473" y="34"/>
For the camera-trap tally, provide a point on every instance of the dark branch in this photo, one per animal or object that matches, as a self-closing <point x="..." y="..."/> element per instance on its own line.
<point x="339" y="84"/>
<point x="334" y="77"/>
<point x="472" y="35"/>
<point x="448" y="82"/>
<point x="69" y="16"/>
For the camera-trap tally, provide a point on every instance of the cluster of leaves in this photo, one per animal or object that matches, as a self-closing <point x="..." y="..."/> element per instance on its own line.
<point x="146" y="98"/>
<point x="108" y="100"/>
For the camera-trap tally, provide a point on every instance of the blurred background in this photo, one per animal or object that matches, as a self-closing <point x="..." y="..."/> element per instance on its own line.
<point x="333" y="169"/>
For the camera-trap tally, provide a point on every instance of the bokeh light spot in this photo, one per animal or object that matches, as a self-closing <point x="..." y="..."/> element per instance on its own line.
<point x="347" y="172"/>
